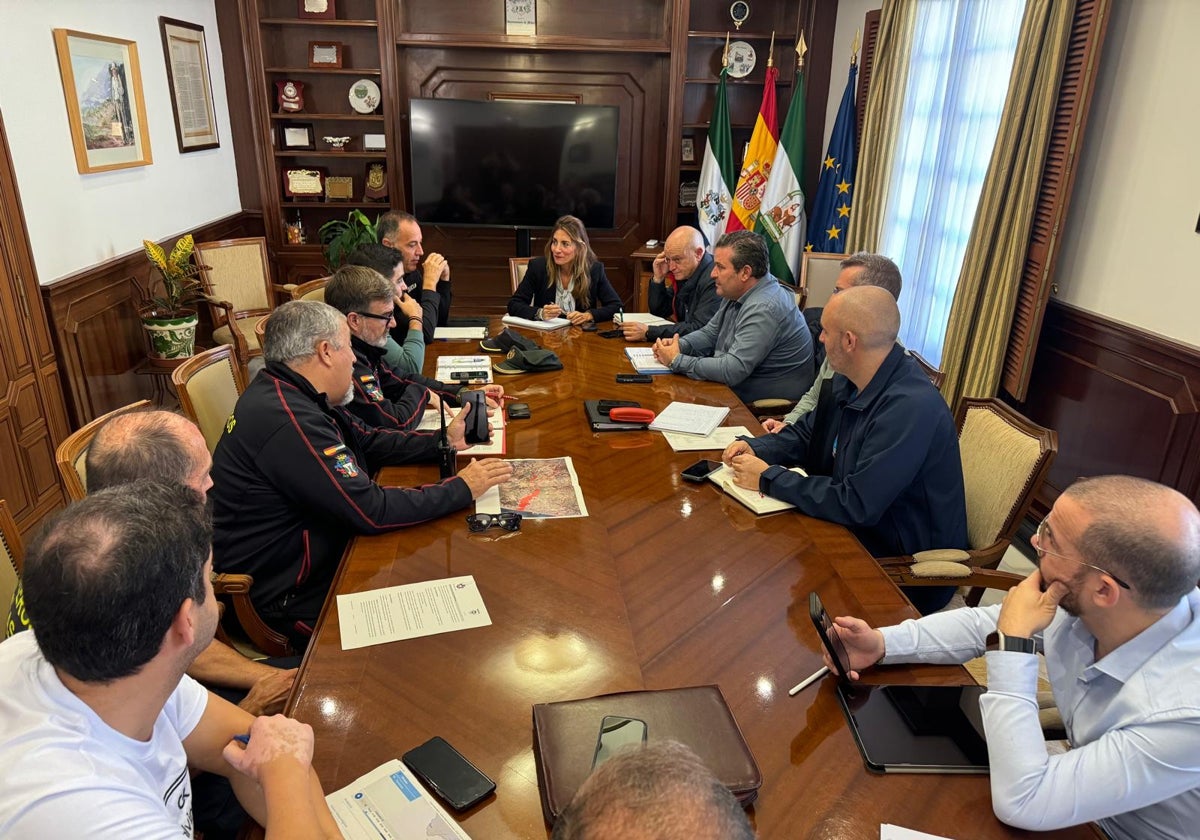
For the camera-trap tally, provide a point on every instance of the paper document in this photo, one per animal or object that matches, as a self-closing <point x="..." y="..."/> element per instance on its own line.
<point x="464" y="370"/>
<point x="690" y="418"/>
<point x="721" y="437"/>
<point x="895" y="832"/>
<point x="552" y="324"/>
<point x="757" y="501"/>
<point x="641" y="318"/>
<point x="643" y="360"/>
<point x="390" y="804"/>
<point x="459" y="333"/>
<point x="496" y="446"/>
<point x="543" y="488"/>
<point x="410" y="611"/>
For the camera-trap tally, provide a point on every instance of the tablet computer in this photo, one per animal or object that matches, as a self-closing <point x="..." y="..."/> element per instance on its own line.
<point x="907" y="728"/>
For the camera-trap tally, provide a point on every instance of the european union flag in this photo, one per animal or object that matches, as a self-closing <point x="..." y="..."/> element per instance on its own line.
<point x="832" y="203"/>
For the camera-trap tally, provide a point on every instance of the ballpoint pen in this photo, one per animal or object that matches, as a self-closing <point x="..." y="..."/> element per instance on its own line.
<point x="805" y="683"/>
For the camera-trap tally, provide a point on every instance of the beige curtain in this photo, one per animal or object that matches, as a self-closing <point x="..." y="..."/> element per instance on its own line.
<point x="981" y="314"/>
<point x="885" y="102"/>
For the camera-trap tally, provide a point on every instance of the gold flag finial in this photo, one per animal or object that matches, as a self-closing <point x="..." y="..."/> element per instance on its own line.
<point x="801" y="49"/>
<point x="725" y="55"/>
<point x="854" y="47"/>
<point x="771" y="51"/>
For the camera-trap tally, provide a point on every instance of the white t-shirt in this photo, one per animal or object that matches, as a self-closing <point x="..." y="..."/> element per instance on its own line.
<point x="65" y="773"/>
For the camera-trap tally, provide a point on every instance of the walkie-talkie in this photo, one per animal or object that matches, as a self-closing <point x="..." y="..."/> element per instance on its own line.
<point x="447" y="457"/>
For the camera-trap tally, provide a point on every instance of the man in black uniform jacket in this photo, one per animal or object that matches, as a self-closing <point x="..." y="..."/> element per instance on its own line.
<point x="383" y="396"/>
<point x="291" y="473"/>
<point x="428" y="282"/>
<point x="682" y="288"/>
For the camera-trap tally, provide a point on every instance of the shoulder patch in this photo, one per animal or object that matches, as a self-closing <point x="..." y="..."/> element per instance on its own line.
<point x="333" y="450"/>
<point x="371" y="386"/>
<point x="344" y="465"/>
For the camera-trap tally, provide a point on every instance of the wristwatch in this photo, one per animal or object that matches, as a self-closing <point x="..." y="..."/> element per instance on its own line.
<point x="1017" y="644"/>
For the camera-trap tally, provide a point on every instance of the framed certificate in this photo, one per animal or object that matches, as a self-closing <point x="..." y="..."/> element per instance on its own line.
<point x="325" y="54"/>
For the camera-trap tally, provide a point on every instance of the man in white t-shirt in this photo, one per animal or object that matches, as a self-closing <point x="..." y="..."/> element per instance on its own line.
<point x="99" y="725"/>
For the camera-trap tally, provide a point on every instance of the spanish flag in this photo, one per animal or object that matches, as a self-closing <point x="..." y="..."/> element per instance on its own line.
<point x="756" y="168"/>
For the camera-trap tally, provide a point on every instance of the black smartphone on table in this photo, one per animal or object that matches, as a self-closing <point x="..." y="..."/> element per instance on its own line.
<point x="617" y="732"/>
<point x="617" y="333"/>
<point x="449" y="775"/>
<point x="701" y="470"/>
<point x="635" y="377"/>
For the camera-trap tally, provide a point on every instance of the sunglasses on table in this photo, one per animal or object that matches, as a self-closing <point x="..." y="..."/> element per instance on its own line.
<point x="483" y="521"/>
<point x="1040" y="537"/>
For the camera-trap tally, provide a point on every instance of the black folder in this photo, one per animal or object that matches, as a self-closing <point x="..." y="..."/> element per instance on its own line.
<point x="601" y="422"/>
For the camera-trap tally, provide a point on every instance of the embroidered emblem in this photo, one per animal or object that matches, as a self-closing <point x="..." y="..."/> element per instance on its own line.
<point x="345" y="465"/>
<point x="372" y="388"/>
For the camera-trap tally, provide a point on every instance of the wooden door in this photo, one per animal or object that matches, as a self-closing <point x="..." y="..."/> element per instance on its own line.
<point x="32" y="413"/>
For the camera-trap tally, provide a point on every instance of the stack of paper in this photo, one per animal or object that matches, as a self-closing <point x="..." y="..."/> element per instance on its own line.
<point x="719" y="439"/>
<point x="460" y="333"/>
<point x="390" y="802"/>
<point x="640" y="318"/>
<point x="690" y="418"/>
<point x="643" y="360"/>
<point x="464" y="370"/>
<point x="496" y="446"/>
<point x="552" y="324"/>
<point x="753" y="499"/>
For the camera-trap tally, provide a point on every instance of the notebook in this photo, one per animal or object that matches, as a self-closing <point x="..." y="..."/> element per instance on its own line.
<point x="758" y="502"/>
<point x="603" y="423"/>
<point x="552" y="324"/>
<point x="643" y="361"/>
<point x="564" y="738"/>
<point x="690" y="418"/>
<point x="907" y="728"/>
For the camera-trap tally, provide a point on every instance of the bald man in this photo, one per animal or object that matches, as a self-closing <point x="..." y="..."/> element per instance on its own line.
<point x="681" y="290"/>
<point x="1114" y="606"/>
<point x="880" y="449"/>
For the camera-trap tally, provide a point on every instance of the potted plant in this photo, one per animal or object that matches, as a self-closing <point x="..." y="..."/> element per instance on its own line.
<point x="340" y="237"/>
<point x="168" y="317"/>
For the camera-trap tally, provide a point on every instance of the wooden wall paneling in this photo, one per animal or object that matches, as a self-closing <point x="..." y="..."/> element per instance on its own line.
<point x="237" y="96"/>
<point x="97" y="331"/>
<point x="1121" y="399"/>
<point x="824" y="59"/>
<point x="614" y="23"/>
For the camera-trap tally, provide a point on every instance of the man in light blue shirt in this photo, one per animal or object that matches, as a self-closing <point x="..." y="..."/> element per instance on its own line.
<point x="758" y="343"/>
<point x="1119" y="619"/>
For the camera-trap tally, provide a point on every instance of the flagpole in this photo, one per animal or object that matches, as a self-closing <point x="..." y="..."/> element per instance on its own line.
<point x="771" y="51"/>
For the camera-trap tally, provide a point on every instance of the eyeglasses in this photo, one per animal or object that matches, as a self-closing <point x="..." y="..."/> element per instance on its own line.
<point x="483" y="521"/>
<point x="1040" y="539"/>
<point x="385" y="317"/>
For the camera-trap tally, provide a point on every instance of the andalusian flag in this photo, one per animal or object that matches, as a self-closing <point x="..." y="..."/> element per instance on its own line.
<point x="716" y="173"/>
<point x="782" y="221"/>
<point x="756" y="168"/>
<point x="831" y="207"/>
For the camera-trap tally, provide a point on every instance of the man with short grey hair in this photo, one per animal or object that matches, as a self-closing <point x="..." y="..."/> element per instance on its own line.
<point x="861" y="268"/>
<point x="292" y="473"/>
<point x="428" y="281"/>
<point x="757" y="343"/>
<point x="659" y="791"/>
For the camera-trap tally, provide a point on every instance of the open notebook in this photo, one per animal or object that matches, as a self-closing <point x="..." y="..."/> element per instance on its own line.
<point x="753" y="499"/>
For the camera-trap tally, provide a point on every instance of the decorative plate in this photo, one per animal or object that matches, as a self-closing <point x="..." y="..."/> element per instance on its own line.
<point x="741" y="59"/>
<point x="364" y="96"/>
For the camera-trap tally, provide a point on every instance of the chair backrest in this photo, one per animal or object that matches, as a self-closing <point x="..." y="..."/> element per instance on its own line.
<point x="516" y="270"/>
<point x="12" y="559"/>
<point x="238" y="271"/>
<point x="936" y="375"/>
<point x="312" y="290"/>
<point x="818" y="275"/>
<point x="1005" y="458"/>
<point x="209" y="385"/>
<point x="70" y="455"/>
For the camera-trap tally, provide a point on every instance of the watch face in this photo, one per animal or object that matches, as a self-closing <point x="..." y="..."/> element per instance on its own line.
<point x="741" y="59"/>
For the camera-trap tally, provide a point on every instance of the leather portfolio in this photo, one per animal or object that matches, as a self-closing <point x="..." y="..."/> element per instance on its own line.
<point x="564" y="738"/>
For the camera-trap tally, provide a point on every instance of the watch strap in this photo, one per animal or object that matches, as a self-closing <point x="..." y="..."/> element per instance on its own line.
<point x="1017" y="644"/>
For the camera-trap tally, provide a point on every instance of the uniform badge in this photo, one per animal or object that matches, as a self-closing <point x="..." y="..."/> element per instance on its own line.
<point x="372" y="388"/>
<point x="345" y="465"/>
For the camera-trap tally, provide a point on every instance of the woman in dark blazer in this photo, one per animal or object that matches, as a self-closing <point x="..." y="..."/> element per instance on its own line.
<point x="569" y="282"/>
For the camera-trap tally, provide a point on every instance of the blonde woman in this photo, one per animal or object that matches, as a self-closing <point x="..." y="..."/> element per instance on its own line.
<point x="569" y="282"/>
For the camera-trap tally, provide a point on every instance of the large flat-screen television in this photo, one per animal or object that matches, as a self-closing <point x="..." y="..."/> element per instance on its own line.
<point x="512" y="163"/>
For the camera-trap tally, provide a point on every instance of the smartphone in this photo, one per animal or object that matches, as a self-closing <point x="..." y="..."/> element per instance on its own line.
<point x="518" y="411"/>
<point x="617" y="333"/>
<point x="829" y="638"/>
<point x="605" y="406"/>
<point x="617" y="732"/>
<point x="701" y="470"/>
<point x="635" y="377"/>
<point x="447" y="774"/>
<point x="588" y="326"/>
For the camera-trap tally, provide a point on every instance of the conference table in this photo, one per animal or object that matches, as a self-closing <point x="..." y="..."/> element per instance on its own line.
<point x="665" y="583"/>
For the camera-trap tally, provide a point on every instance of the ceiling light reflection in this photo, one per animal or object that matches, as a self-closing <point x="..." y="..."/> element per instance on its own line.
<point x="718" y="583"/>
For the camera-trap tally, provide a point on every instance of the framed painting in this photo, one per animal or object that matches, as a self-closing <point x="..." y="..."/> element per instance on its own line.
<point x="186" y="52"/>
<point x="102" y="84"/>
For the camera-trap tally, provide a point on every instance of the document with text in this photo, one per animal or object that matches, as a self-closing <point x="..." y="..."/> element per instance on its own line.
<point x="390" y="803"/>
<point x="410" y="611"/>
<point x="718" y="438"/>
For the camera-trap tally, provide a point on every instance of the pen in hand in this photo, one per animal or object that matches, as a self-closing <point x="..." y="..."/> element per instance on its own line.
<point x="805" y="683"/>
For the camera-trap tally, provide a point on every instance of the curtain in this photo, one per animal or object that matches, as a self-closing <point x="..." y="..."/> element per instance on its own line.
<point x="981" y="313"/>
<point x="881" y="123"/>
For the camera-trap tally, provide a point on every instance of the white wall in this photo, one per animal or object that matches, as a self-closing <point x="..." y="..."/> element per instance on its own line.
<point x="849" y="19"/>
<point x="1130" y="249"/>
<point x="74" y="220"/>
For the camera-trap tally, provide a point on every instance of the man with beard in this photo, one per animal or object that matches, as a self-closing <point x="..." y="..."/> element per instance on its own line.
<point x="383" y="396"/>
<point x="99" y="725"/>
<point x="292" y="473"/>
<point x="428" y="281"/>
<point x="682" y="288"/>
<point x="1114" y="605"/>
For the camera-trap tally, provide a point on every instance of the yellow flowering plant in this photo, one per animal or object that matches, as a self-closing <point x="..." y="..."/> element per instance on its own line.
<point x="181" y="284"/>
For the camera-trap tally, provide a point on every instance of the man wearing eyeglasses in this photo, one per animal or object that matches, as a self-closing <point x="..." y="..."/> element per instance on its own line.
<point x="682" y="288"/>
<point x="1114" y="605"/>
<point x="384" y="397"/>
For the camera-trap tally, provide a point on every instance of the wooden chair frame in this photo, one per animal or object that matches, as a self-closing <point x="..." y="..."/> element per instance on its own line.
<point x="810" y="263"/>
<point x="516" y="270"/>
<point x="237" y="589"/>
<point x="11" y="535"/>
<point x="183" y="374"/>
<point x="77" y="443"/>
<point x="978" y="565"/>
<point x="297" y="291"/>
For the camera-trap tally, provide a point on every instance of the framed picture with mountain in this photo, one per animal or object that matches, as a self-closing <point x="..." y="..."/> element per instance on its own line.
<point x="102" y="84"/>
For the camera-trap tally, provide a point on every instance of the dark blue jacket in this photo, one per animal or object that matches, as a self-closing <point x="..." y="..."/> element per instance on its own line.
<point x="534" y="292"/>
<point x="388" y="399"/>
<point x="691" y="304"/>
<point x="884" y="463"/>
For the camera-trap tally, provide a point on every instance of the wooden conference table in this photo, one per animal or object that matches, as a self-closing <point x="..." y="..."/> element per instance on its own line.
<point x="666" y="583"/>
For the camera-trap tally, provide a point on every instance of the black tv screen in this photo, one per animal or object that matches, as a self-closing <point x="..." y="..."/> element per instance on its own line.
<point x="509" y="163"/>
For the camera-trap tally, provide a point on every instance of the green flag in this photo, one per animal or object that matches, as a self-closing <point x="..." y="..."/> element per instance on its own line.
<point x="782" y="221"/>
<point x="714" y="196"/>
